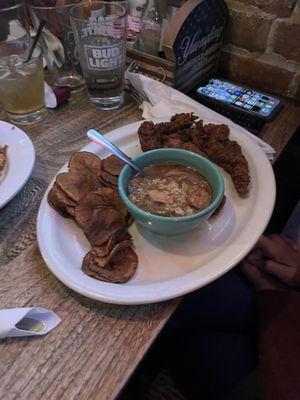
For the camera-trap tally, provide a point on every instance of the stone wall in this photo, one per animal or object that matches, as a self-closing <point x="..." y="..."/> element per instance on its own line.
<point x="262" y="45"/>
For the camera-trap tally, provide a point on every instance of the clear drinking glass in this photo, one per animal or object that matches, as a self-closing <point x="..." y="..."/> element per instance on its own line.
<point x="21" y="80"/>
<point x="57" y="40"/>
<point x="13" y="21"/>
<point x="100" y="34"/>
<point x="149" y="37"/>
<point x="22" y="83"/>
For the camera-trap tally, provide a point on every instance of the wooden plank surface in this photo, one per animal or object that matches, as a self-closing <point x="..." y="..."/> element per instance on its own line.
<point x="93" y="352"/>
<point x="90" y="355"/>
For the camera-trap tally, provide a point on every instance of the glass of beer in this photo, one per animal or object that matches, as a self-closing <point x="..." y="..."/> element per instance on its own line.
<point x="100" y="34"/>
<point x="21" y="78"/>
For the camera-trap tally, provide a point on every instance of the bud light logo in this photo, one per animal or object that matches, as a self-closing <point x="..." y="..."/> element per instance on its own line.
<point x="104" y="57"/>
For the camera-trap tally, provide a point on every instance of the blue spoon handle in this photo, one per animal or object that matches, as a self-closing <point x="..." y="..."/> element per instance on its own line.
<point x="99" y="139"/>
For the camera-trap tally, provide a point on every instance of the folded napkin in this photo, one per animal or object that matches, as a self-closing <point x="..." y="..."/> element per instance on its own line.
<point x="166" y="101"/>
<point x="27" y="321"/>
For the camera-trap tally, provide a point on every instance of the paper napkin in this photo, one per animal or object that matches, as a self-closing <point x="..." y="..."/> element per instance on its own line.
<point x="27" y="321"/>
<point x="54" y="97"/>
<point x="166" y="101"/>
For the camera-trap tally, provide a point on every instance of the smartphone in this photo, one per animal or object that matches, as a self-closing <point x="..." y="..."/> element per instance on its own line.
<point x="238" y="98"/>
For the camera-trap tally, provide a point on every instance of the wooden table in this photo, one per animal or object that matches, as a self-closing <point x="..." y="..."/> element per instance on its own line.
<point x="96" y="348"/>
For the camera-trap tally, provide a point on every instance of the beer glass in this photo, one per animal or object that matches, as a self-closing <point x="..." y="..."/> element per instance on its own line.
<point x="13" y="21"/>
<point x="21" y="79"/>
<point x="100" y="34"/>
<point x="58" y="41"/>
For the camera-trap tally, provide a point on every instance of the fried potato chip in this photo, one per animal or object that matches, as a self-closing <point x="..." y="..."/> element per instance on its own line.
<point x="104" y="260"/>
<point x="110" y="198"/>
<point x="56" y="205"/>
<point x="61" y="203"/>
<point x="97" y="222"/>
<point x="71" y="211"/>
<point x="108" y="179"/>
<point x="105" y="248"/>
<point x="119" y="270"/>
<point x="85" y="162"/>
<point x="113" y="165"/>
<point x="76" y="184"/>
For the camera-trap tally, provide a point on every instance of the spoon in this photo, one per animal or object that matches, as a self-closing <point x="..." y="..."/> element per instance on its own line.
<point x="99" y="139"/>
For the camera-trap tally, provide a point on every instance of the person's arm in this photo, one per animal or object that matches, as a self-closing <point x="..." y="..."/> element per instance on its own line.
<point x="274" y="269"/>
<point x="279" y="343"/>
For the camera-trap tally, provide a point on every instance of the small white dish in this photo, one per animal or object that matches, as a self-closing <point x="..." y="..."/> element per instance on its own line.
<point x="20" y="161"/>
<point x="168" y="266"/>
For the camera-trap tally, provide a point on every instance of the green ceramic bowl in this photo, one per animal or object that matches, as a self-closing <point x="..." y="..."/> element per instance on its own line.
<point x="172" y="225"/>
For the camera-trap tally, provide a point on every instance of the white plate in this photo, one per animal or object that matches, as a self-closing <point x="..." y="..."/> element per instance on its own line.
<point x="168" y="266"/>
<point x="20" y="161"/>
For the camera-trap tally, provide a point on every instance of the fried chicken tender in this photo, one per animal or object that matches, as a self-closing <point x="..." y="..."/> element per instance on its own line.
<point x="219" y="132"/>
<point x="174" y="140"/>
<point x="183" y="120"/>
<point x="214" y="141"/>
<point x="150" y="137"/>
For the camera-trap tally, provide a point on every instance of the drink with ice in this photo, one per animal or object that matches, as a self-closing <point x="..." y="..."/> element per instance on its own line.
<point x="21" y="80"/>
<point x="22" y="88"/>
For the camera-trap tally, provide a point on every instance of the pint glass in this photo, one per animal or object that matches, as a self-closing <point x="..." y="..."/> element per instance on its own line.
<point x="57" y="40"/>
<point x="100" y="33"/>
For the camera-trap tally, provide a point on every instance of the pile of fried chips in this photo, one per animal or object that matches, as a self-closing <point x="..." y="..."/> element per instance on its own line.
<point x="88" y="193"/>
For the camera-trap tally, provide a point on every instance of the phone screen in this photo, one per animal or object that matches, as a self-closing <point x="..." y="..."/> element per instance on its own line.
<point x="243" y="98"/>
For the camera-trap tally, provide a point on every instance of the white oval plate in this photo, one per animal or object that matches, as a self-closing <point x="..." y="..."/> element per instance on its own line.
<point x="168" y="266"/>
<point x="20" y="161"/>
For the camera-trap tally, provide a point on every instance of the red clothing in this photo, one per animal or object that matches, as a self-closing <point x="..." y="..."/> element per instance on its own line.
<point x="280" y="343"/>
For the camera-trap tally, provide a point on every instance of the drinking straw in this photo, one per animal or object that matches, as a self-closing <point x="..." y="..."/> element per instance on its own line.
<point x="38" y="34"/>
